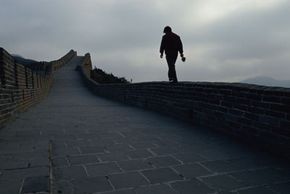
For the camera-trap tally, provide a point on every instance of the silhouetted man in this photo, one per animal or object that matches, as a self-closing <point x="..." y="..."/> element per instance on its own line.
<point x="171" y="44"/>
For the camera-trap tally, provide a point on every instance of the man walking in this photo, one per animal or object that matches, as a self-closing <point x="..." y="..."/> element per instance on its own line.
<point x="171" y="44"/>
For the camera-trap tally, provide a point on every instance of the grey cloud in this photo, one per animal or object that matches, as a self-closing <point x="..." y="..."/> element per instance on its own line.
<point x="250" y="33"/>
<point x="123" y="37"/>
<point x="248" y="43"/>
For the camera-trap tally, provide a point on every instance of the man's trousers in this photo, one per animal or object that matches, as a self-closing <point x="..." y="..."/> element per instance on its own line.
<point x="171" y="59"/>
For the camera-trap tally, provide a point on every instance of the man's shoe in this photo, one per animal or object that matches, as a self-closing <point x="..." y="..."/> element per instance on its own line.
<point x="173" y="81"/>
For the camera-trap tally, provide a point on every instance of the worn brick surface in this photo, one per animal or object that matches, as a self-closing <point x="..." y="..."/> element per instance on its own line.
<point x="161" y="175"/>
<point x="224" y="182"/>
<point x="188" y="157"/>
<point x="83" y="159"/>
<point x="154" y="189"/>
<point x="262" y="190"/>
<point x="123" y="191"/>
<point x="162" y="161"/>
<point x="102" y="169"/>
<point x="127" y="180"/>
<point x="131" y="165"/>
<point x="91" y="185"/>
<point x="113" y="157"/>
<point x="192" y="170"/>
<point x="35" y="185"/>
<point x="142" y="153"/>
<point x="192" y="186"/>
<point x="92" y="149"/>
<point x="59" y="162"/>
<point x="69" y="173"/>
<point x="282" y="188"/>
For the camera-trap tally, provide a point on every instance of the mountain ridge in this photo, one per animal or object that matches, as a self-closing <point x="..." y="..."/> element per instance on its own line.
<point x="267" y="81"/>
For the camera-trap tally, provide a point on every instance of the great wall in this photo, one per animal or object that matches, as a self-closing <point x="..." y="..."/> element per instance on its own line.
<point x="57" y="137"/>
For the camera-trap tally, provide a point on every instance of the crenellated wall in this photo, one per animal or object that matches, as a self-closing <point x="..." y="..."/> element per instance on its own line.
<point x="255" y="114"/>
<point x="63" y="60"/>
<point x="23" y="86"/>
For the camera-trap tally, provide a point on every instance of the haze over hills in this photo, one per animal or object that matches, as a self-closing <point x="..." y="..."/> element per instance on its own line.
<point x="22" y="60"/>
<point x="267" y="81"/>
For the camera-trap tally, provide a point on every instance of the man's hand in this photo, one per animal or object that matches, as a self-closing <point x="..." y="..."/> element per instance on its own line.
<point x="182" y="57"/>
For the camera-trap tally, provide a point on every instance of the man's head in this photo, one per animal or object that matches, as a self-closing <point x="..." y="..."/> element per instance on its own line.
<point x="167" y="29"/>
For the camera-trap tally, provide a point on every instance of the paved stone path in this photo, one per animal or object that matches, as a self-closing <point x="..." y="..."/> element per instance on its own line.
<point x="87" y="144"/>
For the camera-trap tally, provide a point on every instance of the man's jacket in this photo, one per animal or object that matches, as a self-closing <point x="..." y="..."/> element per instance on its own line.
<point x="171" y="44"/>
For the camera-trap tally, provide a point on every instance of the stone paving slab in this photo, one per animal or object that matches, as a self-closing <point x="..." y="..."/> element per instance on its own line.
<point x="103" y="147"/>
<point x="191" y="186"/>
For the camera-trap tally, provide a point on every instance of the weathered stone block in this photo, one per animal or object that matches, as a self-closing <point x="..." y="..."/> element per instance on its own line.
<point x="161" y="175"/>
<point x="102" y="169"/>
<point x="127" y="180"/>
<point x="192" y="186"/>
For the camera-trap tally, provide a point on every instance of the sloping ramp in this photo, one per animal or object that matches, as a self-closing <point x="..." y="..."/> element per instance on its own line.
<point x="86" y="144"/>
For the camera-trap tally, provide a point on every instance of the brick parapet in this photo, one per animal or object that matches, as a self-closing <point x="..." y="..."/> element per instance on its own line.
<point x="23" y="86"/>
<point x="63" y="60"/>
<point x="252" y="113"/>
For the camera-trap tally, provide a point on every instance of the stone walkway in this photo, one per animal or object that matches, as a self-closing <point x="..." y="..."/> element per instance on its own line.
<point x="85" y="144"/>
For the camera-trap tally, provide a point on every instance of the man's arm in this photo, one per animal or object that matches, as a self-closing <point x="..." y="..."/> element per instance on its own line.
<point x="180" y="47"/>
<point x="162" y="47"/>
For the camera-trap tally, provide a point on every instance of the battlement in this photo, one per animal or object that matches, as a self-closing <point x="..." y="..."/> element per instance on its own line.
<point x="256" y="114"/>
<point x="24" y="85"/>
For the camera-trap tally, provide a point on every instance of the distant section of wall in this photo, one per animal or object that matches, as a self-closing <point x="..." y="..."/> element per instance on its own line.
<point x="23" y="86"/>
<point x="256" y="114"/>
<point x="63" y="60"/>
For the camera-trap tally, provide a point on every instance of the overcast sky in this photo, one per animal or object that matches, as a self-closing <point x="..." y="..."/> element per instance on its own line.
<point x="224" y="40"/>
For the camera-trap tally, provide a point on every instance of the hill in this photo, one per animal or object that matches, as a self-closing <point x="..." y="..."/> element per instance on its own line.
<point x="101" y="76"/>
<point x="267" y="81"/>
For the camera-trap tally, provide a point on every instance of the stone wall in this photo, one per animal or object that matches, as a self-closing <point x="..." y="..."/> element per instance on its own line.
<point x="255" y="114"/>
<point x="63" y="60"/>
<point x="23" y="86"/>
